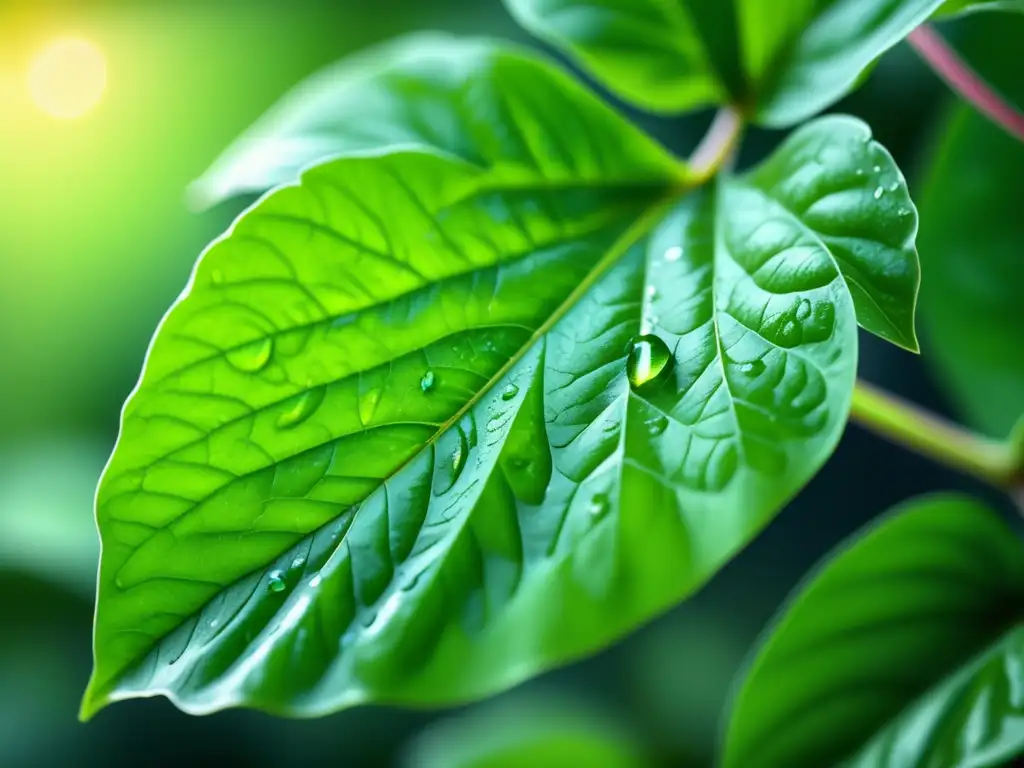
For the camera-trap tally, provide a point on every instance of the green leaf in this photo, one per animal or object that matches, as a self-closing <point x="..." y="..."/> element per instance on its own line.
<point x="905" y="648"/>
<point x="965" y="7"/>
<point x="972" y="236"/>
<point x="662" y="56"/>
<point x="425" y="425"/>
<point x="781" y="62"/>
<point x="529" y="731"/>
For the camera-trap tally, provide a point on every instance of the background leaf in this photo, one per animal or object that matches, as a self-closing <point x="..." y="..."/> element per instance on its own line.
<point x="527" y="731"/>
<point x="423" y="427"/>
<point x="972" y="243"/>
<point x="964" y="7"/>
<point x="853" y="660"/>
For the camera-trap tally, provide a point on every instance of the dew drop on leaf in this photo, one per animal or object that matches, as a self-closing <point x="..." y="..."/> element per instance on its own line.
<point x="878" y="193"/>
<point x="803" y="309"/>
<point x="510" y="391"/>
<point x="315" y="581"/>
<point x="649" y="361"/>
<point x="251" y="357"/>
<point x="752" y="368"/>
<point x="652" y="292"/>
<point x="675" y="253"/>
<point x="656" y="425"/>
<point x="368" y="405"/>
<point x="276" y="581"/>
<point x="428" y="381"/>
<point x="301" y="408"/>
<point x="894" y="186"/>
<point x="298" y="562"/>
<point x="599" y="506"/>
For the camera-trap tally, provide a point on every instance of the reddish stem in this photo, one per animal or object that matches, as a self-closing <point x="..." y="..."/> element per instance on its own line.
<point x="964" y="81"/>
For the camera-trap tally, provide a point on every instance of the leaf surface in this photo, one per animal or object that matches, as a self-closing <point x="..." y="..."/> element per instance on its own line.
<point x="904" y="649"/>
<point x="965" y="7"/>
<point x="430" y="422"/>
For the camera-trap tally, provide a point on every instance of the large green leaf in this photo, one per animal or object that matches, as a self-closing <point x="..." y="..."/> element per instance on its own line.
<point x="972" y="301"/>
<point x="535" y="731"/>
<point x="779" y="61"/>
<point x="906" y="648"/>
<point x="430" y="422"/>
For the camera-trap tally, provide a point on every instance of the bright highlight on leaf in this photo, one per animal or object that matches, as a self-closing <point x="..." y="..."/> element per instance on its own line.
<point x="66" y="79"/>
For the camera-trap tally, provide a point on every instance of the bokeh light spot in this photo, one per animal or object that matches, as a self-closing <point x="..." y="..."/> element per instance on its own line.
<point x="67" y="78"/>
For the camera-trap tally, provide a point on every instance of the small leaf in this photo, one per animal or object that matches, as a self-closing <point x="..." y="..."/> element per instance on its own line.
<point x="528" y="731"/>
<point x="905" y="648"/>
<point x="780" y="62"/>
<point x="843" y="189"/>
<point x="972" y="300"/>
<point x="662" y="56"/>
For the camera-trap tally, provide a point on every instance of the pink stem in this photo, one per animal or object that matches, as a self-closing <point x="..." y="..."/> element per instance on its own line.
<point x="965" y="81"/>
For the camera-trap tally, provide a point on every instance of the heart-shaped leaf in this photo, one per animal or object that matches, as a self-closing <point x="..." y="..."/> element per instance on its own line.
<point x="429" y="423"/>
<point x="973" y="234"/>
<point x="779" y="61"/>
<point x="906" y="648"/>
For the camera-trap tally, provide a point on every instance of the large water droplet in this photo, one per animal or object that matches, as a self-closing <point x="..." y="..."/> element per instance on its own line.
<point x="368" y="405"/>
<point x="276" y="582"/>
<point x="453" y="450"/>
<point x="301" y="408"/>
<point x="510" y="391"/>
<point x="252" y="357"/>
<point x="656" y="425"/>
<point x="428" y="382"/>
<point x="599" y="506"/>
<point x="803" y="309"/>
<point x="675" y="253"/>
<point x="649" y="361"/>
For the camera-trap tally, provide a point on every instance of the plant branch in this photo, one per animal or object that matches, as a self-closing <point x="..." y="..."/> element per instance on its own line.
<point x="718" y="145"/>
<point x="906" y="424"/>
<point x="964" y="81"/>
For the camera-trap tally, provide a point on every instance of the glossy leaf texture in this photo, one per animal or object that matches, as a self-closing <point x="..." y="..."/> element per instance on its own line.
<point x="431" y="422"/>
<point x="529" y="731"/>
<point x="781" y="62"/>
<point x="905" y="649"/>
<point x="972" y="301"/>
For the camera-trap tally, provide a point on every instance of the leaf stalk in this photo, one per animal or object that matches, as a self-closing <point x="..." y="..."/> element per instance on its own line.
<point x="964" y="81"/>
<point x="718" y="145"/>
<point x="998" y="463"/>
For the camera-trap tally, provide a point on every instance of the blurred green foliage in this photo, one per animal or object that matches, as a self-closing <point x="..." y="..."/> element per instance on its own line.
<point x="95" y="242"/>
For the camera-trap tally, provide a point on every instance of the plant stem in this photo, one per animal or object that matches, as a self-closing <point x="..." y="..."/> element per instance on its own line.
<point x="964" y="81"/>
<point x="908" y="425"/>
<point x="718" y="144"/>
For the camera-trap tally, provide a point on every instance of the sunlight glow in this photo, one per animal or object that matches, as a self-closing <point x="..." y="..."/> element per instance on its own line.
<point x="67" y="78"/>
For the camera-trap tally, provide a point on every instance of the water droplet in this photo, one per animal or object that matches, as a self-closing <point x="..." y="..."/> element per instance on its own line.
<point x="904" y="212"/>
<point x="652" y="292"/>
<point x="252" y="357"/>
<point x="510" y="391"/>
<point x="894" y="186"/>
<point x="428" y="381"/>
<point x="675" y="253"/>
<point x="368" y="405"/>
<point x="276" y="581"/>
<point x="656" y="425"/>
<point x="315" y="581"/>
<point x="217" y="277"/>
<point x="298" y="562"/>
<point x="649" y="361"/>
<point x="803" y="309"/>
<point x="878" y="193"/>
<point x="599" y="506"/>
<point x="789" y="330"/>
<point x="752" y="368"/>
<point x="453" y="450"/>
<point x="859" y="172"/>
<point x="301" y="408"/>
<point x="877" y="169"/>
<point x="214" y="623"/>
